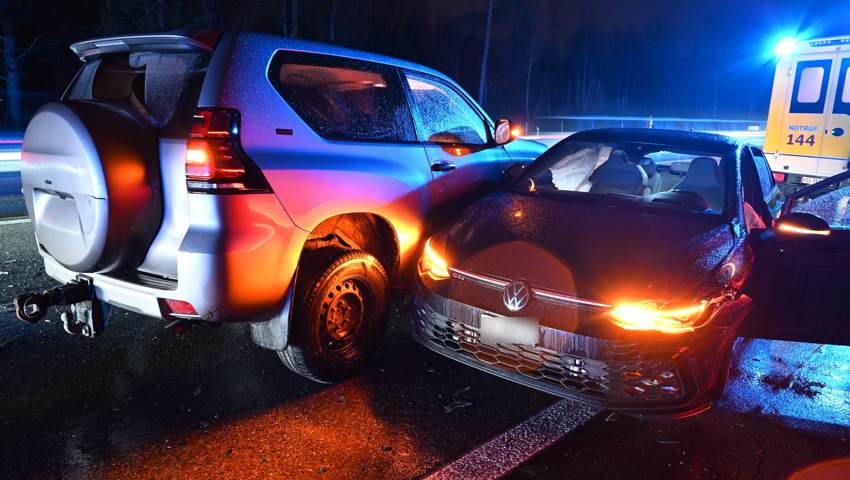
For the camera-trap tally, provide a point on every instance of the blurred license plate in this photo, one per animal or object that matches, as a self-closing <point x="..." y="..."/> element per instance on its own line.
<point x="809" y="180"/>
<point x="497" y="329"/>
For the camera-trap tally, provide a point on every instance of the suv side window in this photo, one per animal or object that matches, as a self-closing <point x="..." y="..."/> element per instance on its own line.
<point x="443" y="115"/>
<point x="344" y="99"/>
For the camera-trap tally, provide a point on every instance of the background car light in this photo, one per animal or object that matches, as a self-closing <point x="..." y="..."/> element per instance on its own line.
<point x="647" y="316"/>
<point x="432" y="264"/>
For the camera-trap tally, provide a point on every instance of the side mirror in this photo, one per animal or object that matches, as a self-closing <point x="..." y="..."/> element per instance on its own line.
<point x="511" y="174"/>
<point x="504" y="132"/>
<point x="799" y="223"/>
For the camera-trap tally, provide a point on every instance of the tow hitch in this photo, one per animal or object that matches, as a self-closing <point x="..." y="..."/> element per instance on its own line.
<point x="85" y="313"/>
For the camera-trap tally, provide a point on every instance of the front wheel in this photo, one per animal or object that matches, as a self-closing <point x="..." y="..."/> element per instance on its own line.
<point x="340" y="316"/>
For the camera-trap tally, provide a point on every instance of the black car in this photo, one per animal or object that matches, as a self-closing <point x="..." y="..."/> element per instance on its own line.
<point x="618" y="268"/>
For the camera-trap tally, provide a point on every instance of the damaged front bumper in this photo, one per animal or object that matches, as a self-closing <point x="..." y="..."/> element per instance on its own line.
<point x="676" y="377"/>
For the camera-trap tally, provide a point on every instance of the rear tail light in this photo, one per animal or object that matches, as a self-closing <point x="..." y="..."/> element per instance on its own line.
<point x="215" y="161"/>
<point x="172" y="309"/>
<point x="779" y="176"/>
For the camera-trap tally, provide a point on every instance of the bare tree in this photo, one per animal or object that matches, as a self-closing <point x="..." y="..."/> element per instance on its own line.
<point x="533" y="55"/>
<point x="332" y="32"/>
<point x="482" y="83"/>
<point x="160" y="14"/>
<point x="293" y="19"/>
<point x="12" y="74"/>
<point x="288" y="19"/>
<point x="715" y="89"/>
<point x="588" y="88"/>
<point x="284" y="24"/>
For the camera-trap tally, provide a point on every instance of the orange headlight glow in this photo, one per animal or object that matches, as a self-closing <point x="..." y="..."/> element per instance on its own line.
<point x="432" y="264"/>
<point x="789" y="228"/>
<point x="647" y="316"/>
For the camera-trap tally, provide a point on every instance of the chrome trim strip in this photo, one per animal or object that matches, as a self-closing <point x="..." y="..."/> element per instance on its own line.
<point x="483" y="279"/>
<point x="185" y="316"/>
<point x="542" y="294"/>
<point x="567" y="298"/>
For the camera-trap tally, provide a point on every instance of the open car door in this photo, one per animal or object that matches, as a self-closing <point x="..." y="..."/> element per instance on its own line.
<point x="800" y="283"/>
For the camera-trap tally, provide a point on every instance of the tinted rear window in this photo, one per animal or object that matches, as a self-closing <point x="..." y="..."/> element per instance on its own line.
<point x="344" y="99"/>
<point x="155" y="85"/>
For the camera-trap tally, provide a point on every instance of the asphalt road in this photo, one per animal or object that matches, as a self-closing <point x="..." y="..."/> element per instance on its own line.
<point x="11" y="201"/>
<point x="141" y="402"/>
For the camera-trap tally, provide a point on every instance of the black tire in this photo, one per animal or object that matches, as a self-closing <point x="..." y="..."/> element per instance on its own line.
<point x="340" y="315"/>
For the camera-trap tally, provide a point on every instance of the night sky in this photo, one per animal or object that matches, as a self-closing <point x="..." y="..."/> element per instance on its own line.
<point x="651" y="57"/>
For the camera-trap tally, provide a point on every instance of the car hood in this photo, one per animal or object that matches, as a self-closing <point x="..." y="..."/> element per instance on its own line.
<point x="596" y="251"/>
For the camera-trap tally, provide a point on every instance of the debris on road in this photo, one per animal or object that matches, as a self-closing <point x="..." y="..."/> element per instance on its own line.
<point x="457" y="403"/>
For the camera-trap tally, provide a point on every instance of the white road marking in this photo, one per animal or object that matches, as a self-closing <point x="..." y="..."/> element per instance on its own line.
<point x="509" y="450"/>
<point x="12" y="222"/>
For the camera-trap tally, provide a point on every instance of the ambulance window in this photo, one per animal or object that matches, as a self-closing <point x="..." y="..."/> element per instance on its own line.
<point x="810" y="82"/>
<point x="810" y="85"/>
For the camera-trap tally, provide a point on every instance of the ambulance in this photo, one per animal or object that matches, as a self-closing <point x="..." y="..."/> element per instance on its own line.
<point x="808" y="125"/>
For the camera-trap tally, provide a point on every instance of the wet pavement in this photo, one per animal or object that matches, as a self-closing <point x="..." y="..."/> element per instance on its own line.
<point x="141" y="402"/>
<point x="11" y="201"/>
<point x="718" y="444"/>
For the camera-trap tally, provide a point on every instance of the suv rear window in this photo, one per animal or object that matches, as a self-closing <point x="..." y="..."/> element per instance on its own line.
<point x="343" y="99"/>
<point x="155" y="85"/>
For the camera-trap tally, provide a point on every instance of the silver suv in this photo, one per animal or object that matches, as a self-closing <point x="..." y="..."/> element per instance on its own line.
<point x="240" y="177"/>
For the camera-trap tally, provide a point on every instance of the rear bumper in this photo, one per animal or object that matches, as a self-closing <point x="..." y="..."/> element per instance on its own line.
<point x="617" y="375"/>
<point x="806" y="165"/>
<point x="235" y="263"/>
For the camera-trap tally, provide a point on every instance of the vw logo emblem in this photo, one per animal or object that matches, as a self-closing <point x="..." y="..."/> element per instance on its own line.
<point x="516" y="296"/>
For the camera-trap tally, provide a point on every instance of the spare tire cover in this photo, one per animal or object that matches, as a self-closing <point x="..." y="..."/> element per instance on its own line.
<point x="91" y="183"/>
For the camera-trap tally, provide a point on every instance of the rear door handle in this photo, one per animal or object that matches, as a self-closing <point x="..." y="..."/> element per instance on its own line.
<point x="443" y="166"/>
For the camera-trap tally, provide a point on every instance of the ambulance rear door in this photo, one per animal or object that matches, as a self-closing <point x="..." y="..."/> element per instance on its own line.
<point x="803" y="121"/>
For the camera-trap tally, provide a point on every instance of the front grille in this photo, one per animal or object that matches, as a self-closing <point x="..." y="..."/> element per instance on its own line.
<point x="562" y="363"/>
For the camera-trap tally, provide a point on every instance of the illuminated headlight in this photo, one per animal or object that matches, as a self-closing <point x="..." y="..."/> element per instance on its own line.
<point x="647" y="316"/>
<point x="432" y="264"/>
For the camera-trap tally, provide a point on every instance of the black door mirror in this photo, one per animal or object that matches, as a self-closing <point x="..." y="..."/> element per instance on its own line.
<point x="504" y="131"/>
<point x="511" y="174"/>
<point x="800" y="223"/>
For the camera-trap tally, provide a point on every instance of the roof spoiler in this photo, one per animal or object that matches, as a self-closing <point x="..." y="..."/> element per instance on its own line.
<point x="172" y="41"/>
